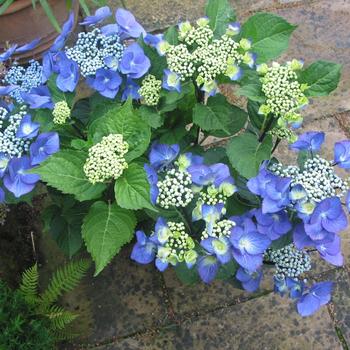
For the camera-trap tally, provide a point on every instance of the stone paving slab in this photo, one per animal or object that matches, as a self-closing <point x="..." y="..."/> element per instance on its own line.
<point x="123" y="299"/>
<point x="266" y="323"/>
<point x="187" y="299"/>
<point x="341" y="300"/>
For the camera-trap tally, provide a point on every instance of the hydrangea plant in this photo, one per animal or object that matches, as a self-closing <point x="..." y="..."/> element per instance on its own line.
<point x="132" y="162"/>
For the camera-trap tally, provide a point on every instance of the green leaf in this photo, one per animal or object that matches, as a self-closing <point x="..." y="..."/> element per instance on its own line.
<point x="64" y="171"/>
<point x="220" y="14"/>
<point x="48" y="11"/>
<point x="252" y="91"/>
<point x="246" y="153"/>
<point x="185" y="275"/>
<point x="322" y="78"/>
<point x="64" y="224"/>
<point x="132" y="189"/>
<point x="270" y="35"/>
<point x="126" y="121"/>
<point x="151" y="116"/>
<point x="5" y="6"/>
<point x="106" y="228"/>
<point x="218" y="114"/>
<point x="254" y="117"/>
<point x="227" y="271"/>
<point x="171" y="35"/>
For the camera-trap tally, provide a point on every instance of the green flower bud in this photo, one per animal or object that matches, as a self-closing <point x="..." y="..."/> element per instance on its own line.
<point x="296" y="64"/>
<point x="245" y="44"/>
<point x="264" y="110"/>
<point x="61" y="112"/>
<point x="190" y="257"/>
<point x="262" y="69"/>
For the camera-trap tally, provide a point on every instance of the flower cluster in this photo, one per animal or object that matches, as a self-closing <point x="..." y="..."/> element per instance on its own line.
<point x="202" y="58"/>
<point x="289" y="261"/>
<point x="94" y="50"/>
<point x="106" y="159"/>
<point x="175" y="190"/>
<point x="61" y="112"/>
<point x="150" y="89"/>
<point x="23" y="79"/>
<point x="284" y="94"/>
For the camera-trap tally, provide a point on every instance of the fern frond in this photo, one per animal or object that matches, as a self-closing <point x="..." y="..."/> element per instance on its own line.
<point x="59" y="317"/>
<point x="29" y="284"/>
<point x="62" y="335"/>
<point x="63" y="280"/>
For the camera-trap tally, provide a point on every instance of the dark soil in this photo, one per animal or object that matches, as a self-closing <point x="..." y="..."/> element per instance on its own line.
<point x="19" y="239"/>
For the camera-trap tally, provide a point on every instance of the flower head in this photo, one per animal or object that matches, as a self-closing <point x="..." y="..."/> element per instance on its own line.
<point x="248" y="245"/>
<point x="100" y="15"/>
<point x="129" y="27"/>
<point x="134" y="62"/>
<point x="44" y="146"/>
<point x="342" y="154"/>
<point x="328" y="217"/>
<point x="171" y="81"/>
<point x="16" y="180"/>
<point x="309" y="141"/>
<point x="27" y="129"/>
<point x="250" y="280"/>
<point x="318" y="295"/>
<point x="38" y="97"/>
<point x="106" y="82"/>
<point x="68" y="75"/>
<point x="220" y="247"/>
<point x="144" y="251"/>
<point x="162" y="155"/>
<point x="208" y="267"/>
<point x="30" y="46"/>
<point x="273" y="225"/>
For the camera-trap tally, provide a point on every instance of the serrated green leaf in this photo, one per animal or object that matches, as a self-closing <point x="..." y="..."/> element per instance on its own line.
<point x="269" y="33"/>
<point x="322" y="78"/>
<point x="219" y="115"/>
<point x="220" y="14"/>
<point x="126" y="121"/>
<point x="64" y="171"/>
<point x="132" y="190"/>
<point x="171" y="35"/>
<point x="247" y="163"/>
<point x="151" y="116"/>
<point x="106" y="228"/>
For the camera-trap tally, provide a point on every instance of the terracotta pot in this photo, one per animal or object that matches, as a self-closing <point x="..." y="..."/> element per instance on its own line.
<point x="21" y="24"/>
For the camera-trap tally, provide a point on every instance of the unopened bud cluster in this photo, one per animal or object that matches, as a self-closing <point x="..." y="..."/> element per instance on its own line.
<point x="284" y="94"/>
<point x="92" y="48"/>
<point x="25" y="78"/>
<point x="175" y="190"/>
<point x="179" y="240"/>
<point x="106" y="159"/>
<point x="289" y="261"/>
<point x="203" y="58"/>
<point x="9" y="143"/>
<point x="317" y="178"/>
<point x="220" y="228"/>
<point x="150" y="89"/>
<point x="281" y="133"/>
<point x="61" y="112"/>
<point x="212" y="196"/>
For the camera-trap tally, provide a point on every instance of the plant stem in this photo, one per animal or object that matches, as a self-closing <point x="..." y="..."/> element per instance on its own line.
<point x="265" y="127"/>
<point x="276" y="144"/>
